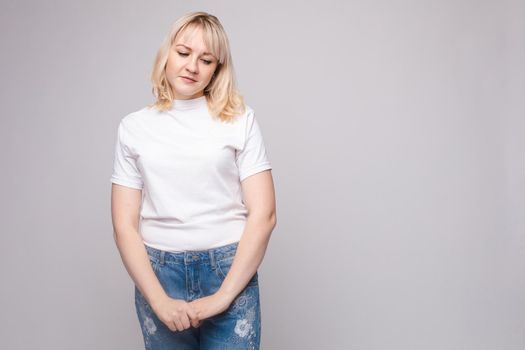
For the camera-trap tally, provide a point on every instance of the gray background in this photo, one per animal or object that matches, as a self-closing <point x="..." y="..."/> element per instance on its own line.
<point x="396" y="134"/>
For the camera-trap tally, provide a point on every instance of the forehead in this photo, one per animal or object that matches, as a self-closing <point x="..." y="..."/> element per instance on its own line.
<point x="192" y="37"/>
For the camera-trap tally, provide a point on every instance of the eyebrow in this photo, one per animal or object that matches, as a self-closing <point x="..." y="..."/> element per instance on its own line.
<point x="189" y="48"/>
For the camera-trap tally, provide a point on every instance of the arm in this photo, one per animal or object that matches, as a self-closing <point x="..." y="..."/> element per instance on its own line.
<point x="125" y="204"/>
<point x="259" y="197"/>
<point x="258" y="193"/>
<point x="125" y="208"/>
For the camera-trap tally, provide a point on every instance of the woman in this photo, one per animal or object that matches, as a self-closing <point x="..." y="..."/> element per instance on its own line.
<point x="192" y="201"/>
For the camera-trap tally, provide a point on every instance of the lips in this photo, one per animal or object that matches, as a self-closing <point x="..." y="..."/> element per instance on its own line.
<point x="188" y="78"/>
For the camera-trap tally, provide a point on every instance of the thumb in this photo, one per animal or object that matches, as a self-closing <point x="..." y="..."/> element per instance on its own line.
<point x="195" y="322"/>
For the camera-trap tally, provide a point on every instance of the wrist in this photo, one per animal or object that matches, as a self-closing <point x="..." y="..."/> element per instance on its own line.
<point x="225" y="295"/>
<point x="158" y="300"/>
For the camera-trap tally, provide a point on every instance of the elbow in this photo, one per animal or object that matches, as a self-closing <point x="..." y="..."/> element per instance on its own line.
<point x="267" y="219"/>
<point x="270" y="220"/>
<point x="121" y="232"/>
<point x="116" y="237"/>
<point x="273" y="219"/>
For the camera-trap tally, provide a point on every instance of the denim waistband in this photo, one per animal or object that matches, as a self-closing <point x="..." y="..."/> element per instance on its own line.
<point x="192" y="256"/>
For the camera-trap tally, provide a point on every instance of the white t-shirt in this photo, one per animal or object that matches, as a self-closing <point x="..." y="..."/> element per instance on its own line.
<point x="189" y="167"/>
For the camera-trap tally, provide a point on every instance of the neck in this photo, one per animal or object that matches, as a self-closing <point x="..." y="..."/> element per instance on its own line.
<point x="189" y="104"/>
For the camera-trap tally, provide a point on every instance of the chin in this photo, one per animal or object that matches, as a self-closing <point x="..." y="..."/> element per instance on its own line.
<point x="187" y="93"/>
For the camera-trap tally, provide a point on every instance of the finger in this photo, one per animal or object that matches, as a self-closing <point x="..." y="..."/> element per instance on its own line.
<point x="185" y="321"/>
<point x="179" y="325"/>
<point x="168" y="323"/>
<point x="190" y="310"/>
<point x="195" y="322"/>
<point x="171" y="326"/>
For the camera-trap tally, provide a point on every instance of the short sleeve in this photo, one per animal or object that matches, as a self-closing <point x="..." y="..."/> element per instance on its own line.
<point x="125" y="171"/>
<point x="252" y="158"/>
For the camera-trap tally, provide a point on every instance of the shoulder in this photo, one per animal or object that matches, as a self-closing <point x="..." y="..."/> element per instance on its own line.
<point x="139" y="116"/>
<point x="248" y="112"/>
<point x="245" y="117"/>
<point x="137" y="120"/>
<point x="134" y="124"/>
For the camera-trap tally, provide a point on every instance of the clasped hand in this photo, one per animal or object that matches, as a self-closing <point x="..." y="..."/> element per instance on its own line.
<point x="178" y="314"/>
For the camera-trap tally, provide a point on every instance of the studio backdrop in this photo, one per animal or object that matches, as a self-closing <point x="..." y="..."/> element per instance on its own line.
<point x="396" y="134"/>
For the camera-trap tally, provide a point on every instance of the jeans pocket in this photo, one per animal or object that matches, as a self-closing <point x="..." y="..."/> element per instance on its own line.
<point x="154" y="263"/>
<point x="224" y="265"/>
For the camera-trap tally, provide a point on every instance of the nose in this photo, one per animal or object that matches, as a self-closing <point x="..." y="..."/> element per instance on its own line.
<point x="192" y="66"/>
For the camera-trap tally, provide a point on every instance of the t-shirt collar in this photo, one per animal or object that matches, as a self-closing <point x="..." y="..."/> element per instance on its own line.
<point x="189" y="104"/>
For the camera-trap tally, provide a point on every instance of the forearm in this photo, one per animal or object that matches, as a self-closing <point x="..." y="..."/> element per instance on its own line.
<point x="136" y="261"/>
<point x="249" y="255"/>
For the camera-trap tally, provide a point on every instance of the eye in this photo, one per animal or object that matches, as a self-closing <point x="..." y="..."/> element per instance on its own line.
<point x="206" y="61"/>
<point x="182" y="54"/>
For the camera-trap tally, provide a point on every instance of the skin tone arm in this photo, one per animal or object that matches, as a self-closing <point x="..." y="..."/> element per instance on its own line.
<point x="125" y="210"/>
<point x="259" y="198"/>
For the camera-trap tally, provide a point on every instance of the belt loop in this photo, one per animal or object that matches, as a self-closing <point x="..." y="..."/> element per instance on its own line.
<point x="162" y="252"/>
<point x="212" y="258"/>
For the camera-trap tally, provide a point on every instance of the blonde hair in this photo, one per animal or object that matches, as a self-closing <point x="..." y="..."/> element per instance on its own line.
<point x="224" y="100"/>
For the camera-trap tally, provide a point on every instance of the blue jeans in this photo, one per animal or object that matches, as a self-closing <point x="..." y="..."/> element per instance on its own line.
<point x="191" y="275"/>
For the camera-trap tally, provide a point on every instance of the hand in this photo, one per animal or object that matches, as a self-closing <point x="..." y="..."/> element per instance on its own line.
<point x="210" y="305"/>
<point x="176" y="314"/>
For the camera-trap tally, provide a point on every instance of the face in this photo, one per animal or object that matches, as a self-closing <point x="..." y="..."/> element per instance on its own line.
<point x="190" y="65"/>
